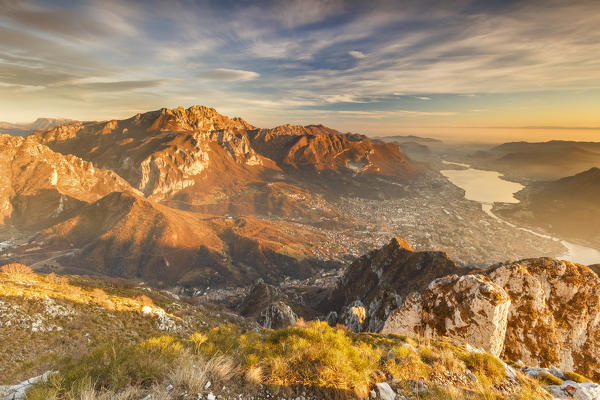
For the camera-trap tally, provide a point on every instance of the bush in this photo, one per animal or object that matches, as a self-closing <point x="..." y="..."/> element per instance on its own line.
<point x="16" y="269"/>
<point x="485" y="364"/>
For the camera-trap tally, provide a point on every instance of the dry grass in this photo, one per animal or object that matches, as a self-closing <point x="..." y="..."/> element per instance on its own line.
<point x="99" y="311"/>
<point x="193" y="372"/>
<point x="575" y="377"/>
<point x="328" y="361"/>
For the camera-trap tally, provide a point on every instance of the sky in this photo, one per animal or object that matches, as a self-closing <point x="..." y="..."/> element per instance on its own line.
<point x="482" y="70"/>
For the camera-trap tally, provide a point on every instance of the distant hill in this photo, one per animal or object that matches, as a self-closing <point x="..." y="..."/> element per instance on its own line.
<point x="407" y="138"/>
<point x="40" y="124"/>
<point x="541" y="161"/>
<point x="568" y="207"/>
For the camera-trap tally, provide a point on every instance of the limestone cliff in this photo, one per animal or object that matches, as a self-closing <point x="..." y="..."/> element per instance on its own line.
<point x="39" y="186"/>
<point x="470" y="308"/>
<point x="549" y="309"/>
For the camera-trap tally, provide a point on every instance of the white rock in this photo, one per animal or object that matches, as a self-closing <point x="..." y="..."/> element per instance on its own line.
<point x="470" y="308"/>
<point x="385" y="391"/>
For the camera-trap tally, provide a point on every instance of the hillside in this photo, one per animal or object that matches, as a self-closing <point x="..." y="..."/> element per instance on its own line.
<point x="541" y="161"/>
<point x="39" y="187"/>
<point x="126" y="235"/>
<point x="567" y="207"/>
<point x="132" y="342"/>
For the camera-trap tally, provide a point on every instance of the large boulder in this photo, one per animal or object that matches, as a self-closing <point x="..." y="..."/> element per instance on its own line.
<point x="470" y="308"/>
<point x="269" y="306"/>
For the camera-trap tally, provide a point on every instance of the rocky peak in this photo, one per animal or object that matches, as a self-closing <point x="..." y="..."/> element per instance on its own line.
<point x="195" y="118"/>
<point x="381" y="279"/>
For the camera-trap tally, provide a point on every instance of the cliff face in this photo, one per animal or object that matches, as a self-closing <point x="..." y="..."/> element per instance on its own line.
<point x="554" y="318"/>
<point x="379" y="281"/>
<point x="165" y="152"/>
<point x="471" y="308"/>
<point x="39" y="186"/>
<point x="541" y="311"/>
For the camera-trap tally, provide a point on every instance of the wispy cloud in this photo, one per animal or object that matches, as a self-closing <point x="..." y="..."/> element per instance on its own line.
<point x="357" y="54"/>
<point x="224" y="74"/>
<point x="328" y="58"/>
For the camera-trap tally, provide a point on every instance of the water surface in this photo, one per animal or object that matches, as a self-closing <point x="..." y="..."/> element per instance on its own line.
<point x="488" y="187"/>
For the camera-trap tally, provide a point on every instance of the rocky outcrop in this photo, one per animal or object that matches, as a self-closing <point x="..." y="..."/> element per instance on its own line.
<point x="269" y="306"/>
<point x="277" y="315"/>
<point x="550" y="310"/>
<point x="470" y="308"/>
<point x="19" y="391"/>
<point x="380" y="280"/>
<point x="555" y="314"/>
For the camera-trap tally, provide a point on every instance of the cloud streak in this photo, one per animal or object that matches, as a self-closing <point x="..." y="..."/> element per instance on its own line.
<point x="224" y="74"/>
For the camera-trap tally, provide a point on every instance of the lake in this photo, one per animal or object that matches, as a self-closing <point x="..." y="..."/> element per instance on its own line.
<point x="488" y="187"/>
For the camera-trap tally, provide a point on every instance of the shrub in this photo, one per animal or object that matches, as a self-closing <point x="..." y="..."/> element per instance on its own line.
<point x="102" y="299"/>
<point x="16" y="269"/>
<point x="485" y="364"/>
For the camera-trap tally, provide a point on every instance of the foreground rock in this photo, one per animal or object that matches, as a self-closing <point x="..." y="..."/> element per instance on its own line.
<point x="549" y="309"/>
<point x="555" y="314"/>
<point x="471" y="308"/>
<point x="19" y="391"/>
<point x="269" y="306"/>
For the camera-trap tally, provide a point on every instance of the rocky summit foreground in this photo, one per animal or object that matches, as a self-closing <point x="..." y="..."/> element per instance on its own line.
<point x="132" y="342"/>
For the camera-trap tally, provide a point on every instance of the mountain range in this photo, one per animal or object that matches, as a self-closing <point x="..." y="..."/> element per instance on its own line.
<point x="186" y="196"/>
<point x="40" y="124"/>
